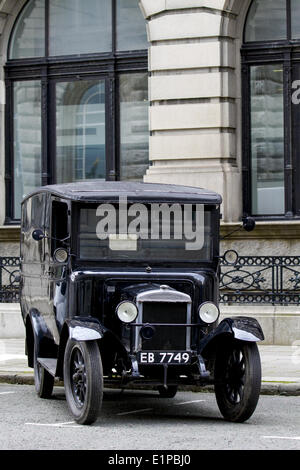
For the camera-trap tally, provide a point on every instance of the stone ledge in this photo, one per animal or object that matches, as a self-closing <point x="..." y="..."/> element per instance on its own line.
<point x="11" y="323"/>
<point x="9" y="234"/>
<point x="276" y="230"/>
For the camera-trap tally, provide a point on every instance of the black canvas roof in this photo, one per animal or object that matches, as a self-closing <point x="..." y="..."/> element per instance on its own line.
<point x="99" y="190"/>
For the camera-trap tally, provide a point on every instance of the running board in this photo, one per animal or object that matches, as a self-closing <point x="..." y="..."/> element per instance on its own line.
<point x="48" y="364"/>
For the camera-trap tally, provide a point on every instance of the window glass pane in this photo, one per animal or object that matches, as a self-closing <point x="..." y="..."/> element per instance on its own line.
<point x="142" y="246"/>
<point x="267" y="139"/>
<point x="295" y="13"/>
<point x="27" y="140"/>
<point x="266" y="21"/>
<point x="134" y="150"/>
<point x="80" y="130"/>
<point x="78" y="27"/>
<point x="28" y="38"/>
<point x="131" y="26"/>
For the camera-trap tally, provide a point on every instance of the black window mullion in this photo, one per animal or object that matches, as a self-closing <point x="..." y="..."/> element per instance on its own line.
<point x="289" y="19"/>
<point x="246" y="139"/>
<point x="114" y="26"/>
<point x="9" y="153"/>
<point x="51" y="132"/>
<point x="110" y="120"/>
<point x="47" y="28"/>
<point x="288" y="160"/>
<point x="45" y="126"/>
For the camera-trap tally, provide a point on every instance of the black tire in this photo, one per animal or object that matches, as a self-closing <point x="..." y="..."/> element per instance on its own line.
<point x="168" y="392"/>
<point x="43" y="380"/>
<point x="237" y="380"/>
<point x="83" y="380"/>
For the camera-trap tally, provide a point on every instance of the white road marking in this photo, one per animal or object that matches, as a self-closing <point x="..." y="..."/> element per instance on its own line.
<point x="134" y="411"/>
<point x="188" y="402"/>
<point x="282" y="437"/>
<point x="55" y="425"/>
<point x="6" y="393"/>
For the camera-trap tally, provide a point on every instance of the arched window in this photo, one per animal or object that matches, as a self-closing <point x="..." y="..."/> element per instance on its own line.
<point x="271" y="113"/>
<point x="77" y="95"/>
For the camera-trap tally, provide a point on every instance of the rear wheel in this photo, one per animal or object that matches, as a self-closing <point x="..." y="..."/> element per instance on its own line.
<point x="168" y="392"/>
<point x="237" y="380"/>
<point x="83" y="380"/>
<point x="43" y="380"/>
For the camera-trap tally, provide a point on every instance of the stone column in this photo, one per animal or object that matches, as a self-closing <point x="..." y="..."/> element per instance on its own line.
<point x="192" y="97"/>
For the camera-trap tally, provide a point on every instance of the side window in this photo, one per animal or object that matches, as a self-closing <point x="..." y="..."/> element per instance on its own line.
<point x="25" y="227"/>
<point x="34" y="218"/>
<point x="26" y="216"/>
<point x="38" y="211"/>
<point x="59" y="226"/>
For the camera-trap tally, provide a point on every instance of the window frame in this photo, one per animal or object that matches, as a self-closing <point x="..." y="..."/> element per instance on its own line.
<point x="50" y="70"/>
<point x="287" y="53"/>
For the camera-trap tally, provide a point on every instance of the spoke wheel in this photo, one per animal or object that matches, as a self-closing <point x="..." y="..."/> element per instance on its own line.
<point x="237" y="380"/>
<point x="83" y="380"/>
<point x="43" y="380"/>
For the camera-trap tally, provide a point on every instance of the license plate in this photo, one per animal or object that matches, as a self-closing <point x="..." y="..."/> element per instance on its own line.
<point x="164" y="357"/>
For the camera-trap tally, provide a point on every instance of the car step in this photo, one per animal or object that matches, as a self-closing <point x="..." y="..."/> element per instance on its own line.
<point x="48" y="364"/>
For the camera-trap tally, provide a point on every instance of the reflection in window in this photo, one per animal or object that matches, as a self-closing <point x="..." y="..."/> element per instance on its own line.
<point x="80" y="130"/>
<point x="27" y="140"/>
<point x="131" y="31"/>
<point x="295" y="15"/>
<point x="28" y="39"/>
<point x="266" y="21"/>
<point x="80" y="94"/>
<point x="134" y="159"/>
<point x="267" y="139"/>
<point x="78" y="27"/>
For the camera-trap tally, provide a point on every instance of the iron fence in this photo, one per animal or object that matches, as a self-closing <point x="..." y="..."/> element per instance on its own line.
<point x="269" y="280"/>
<point x="9" y="278"/>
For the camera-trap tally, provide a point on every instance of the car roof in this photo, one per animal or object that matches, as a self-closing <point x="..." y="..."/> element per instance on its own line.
<point x="110" y="191"/>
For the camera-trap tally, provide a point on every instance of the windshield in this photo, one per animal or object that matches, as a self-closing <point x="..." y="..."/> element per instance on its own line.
<point x="150" y="232"/>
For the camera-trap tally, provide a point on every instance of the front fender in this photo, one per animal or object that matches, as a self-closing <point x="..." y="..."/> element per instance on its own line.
<point x="85" y="329"/>
<point x="242" y="328"/>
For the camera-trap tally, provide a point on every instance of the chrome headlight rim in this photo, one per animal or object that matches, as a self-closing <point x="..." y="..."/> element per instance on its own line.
<point x="121" y="312"/>
<point x="204" y="316"/>
<point x="61" y="255"/>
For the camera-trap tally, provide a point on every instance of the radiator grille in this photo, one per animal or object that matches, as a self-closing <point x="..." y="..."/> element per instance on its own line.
<point x="166" y="338"/>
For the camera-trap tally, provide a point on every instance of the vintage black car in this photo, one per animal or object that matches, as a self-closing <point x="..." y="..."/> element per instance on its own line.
<point x="120" y="285"/>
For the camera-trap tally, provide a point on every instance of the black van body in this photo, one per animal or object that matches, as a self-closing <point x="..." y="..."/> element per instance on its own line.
<point x="103" y="305"/>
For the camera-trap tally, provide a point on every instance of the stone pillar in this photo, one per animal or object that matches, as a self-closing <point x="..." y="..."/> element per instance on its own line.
<point x="193" y="97"/>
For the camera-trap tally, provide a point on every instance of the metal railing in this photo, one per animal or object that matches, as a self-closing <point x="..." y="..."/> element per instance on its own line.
<point x="273" y="280"/>
<point x="9" y="278"/>
<point x="269" y="280"/>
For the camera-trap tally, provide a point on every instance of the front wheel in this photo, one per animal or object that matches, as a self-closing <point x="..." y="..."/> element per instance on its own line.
<point x="237" y="380"/>
<point x="83" y="380"/>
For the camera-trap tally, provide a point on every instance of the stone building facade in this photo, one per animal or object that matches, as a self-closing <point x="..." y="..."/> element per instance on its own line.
<point x="202" y="88"/>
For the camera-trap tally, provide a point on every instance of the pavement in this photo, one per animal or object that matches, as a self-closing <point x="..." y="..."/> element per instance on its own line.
<point x="280" y="367"/>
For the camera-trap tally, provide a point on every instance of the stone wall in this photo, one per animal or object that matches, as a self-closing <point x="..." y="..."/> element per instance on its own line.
<point x="195" y="100"/>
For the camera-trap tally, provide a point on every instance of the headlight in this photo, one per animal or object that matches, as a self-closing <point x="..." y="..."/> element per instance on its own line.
<point x="208" y="312"/>
<point x="127" y="311"/>
<point x="60" y="255"/>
